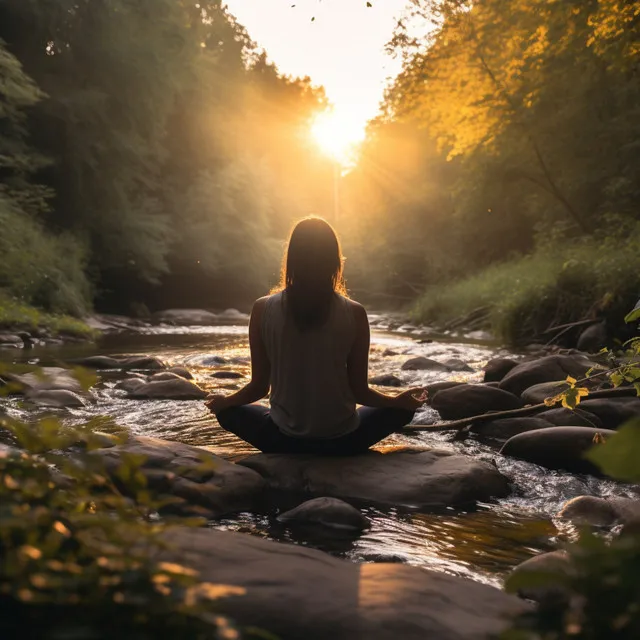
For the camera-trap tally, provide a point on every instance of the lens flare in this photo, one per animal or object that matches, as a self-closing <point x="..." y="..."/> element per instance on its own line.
<point x="338" y="135"/>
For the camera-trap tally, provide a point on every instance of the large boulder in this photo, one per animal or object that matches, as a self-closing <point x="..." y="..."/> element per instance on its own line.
<point x="546" y="369"/>
<point x="600" y="512"/>
<point x="497" y="368"/>
<point x="552" y="563"/>
<point x="326" y="512"/>
<point x="424" y="364"/>
<point x="420" y="479"/>
<point x="508" y="427"/>
<point x="293" y="592"/>
<point x="204" y="483"/>
<point x="467" y="400"/>
<point x="556" y="447"/>
<point x="613" y="412"/>
<point x="538" y="393"/>
<point x="562" y="417"/>
<point x="174" y="389"/>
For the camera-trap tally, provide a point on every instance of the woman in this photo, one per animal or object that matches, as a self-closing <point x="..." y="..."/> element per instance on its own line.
<point x="310" y="344"/>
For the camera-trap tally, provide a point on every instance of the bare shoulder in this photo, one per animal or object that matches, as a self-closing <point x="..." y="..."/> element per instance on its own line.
<point x="359" y="312"/>
<point x="259" y="306"/>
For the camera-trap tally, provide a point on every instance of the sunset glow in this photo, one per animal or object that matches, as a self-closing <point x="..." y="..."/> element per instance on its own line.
<point x="338" y="136"/>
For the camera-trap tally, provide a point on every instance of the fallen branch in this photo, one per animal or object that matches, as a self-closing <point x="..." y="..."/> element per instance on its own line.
<point x="570" y="325"/>
<point x="516" y="413"/>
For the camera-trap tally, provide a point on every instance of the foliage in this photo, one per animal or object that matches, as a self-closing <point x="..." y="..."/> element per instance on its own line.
<point x="80" y="559"/>
<point x="562" y="282"/>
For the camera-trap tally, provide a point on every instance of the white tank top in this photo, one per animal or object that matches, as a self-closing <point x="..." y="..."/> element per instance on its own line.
<point x="310" y="392"/>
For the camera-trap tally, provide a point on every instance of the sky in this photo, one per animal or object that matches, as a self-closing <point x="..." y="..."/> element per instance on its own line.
<point x="342" y="49"/>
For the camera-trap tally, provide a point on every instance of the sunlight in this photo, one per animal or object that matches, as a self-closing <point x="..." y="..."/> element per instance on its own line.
<point x="338" y="135"/>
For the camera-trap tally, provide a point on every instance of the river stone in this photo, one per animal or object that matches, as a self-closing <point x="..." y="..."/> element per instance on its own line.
<point x="327" y="512"/>
<point x="562" y="417"/>
<point x="165" y="375"/>
<point x="538" y="393"/>
<point x="10" y="339"/>
<point x="556" y="448"/>
<point x="423" y="364"/>
<point x="176" y="389"/>
<point x="613" y="412"/>
<point x="126" y="363"/>
<point x="130" y="384"/>
<point x="553" y="562"/>
<point x="455" y="364"/>
<point x="600" y="512"/>
<point x="593" y="338"/>
<point x="414" y="479"/>
<point x="466" y="400"/>
<point x="546" y="369"/>
<point x="497" y="368"/>
<point x="387" y="380"/>
<point x="294" y="592"/>
<point x="46" y="379"/>
<point x="56" y="398"/>
<point x="181" y="371"/>
<point x="205" y="483"/>
<point x="187" y="317"/>
<point x="508" y="427"/>
<point x="227" y="375"/>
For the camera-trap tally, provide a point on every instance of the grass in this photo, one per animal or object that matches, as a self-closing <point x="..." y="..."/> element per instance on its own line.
<point x="15" y="315"/>
<point x="556" y="284"/>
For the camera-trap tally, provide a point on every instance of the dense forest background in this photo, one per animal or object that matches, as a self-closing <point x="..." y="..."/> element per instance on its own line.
<point x="149" y="153"/>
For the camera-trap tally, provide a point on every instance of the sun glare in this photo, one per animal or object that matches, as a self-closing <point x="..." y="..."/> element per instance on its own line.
<point x="337" y="136"/>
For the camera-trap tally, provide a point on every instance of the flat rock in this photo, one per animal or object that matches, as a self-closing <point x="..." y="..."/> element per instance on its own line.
<point x="175" y="389"/>
<point x="294" y="592"/>
<point x="126" y="363"/>
<point x="187" y="317"/>
<point x="613" y="412"/>
<point x="508" y="427"/>
<point x="578" y="417"/>
<point x="57" y="398"/>
<point x="547" y="369"/>
<point x="414" y="479"/>
<point x="46" y="379"/>
<point x="466" y="400"/>
<point x="556" y="448"/>
<point x="10" y="339"/>
<point x="227" y="375"/>
<point x="326" y="512"/>
<point x="552" y="562"/>
<point x="423" y="364"/>
<point x="600" y="512"/>
<point x="497" y="368"/>
<point x="206" y="483"/>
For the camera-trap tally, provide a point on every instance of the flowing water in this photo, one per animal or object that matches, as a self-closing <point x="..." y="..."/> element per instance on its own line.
<point x="483" y="544"/>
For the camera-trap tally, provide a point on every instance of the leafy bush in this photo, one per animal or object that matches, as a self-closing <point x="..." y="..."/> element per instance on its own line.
<point x="556" y="284"/>
<point x="79" y="560"/>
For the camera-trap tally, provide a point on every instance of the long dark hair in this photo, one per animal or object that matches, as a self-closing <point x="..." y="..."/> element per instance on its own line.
<point x="311" y="272"/>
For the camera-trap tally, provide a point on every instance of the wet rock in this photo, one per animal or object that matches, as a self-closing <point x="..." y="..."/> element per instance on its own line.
<point x="497" y="368"/>
<point x="467" y="400"/>
<point x="593" y="338"/>
<point x="326" y="512"/>
<point x="182" y="372"/>
<point x="387" y="380"/>
<point x="186" y="317"/>
<point x="176" y="389"/>
<point x="46" y="379"/>
<point x="165" y="375"/>
<point x="562" y="417"/>
<point x="613" y="412"/>
<point x="540" y="392"/>
<point x="436" y="387"/>
<point x="509" y="427"/>
<point x="454" y="364"/>
<point x="202" y="480"/>
<point x="293" y="592"/>
<point x="55" y="398"/>
<point x="126" y="363"/>
<point x="546" y="369"/>
<point x="421" y="479"/>
<point x="556" y="448"/>
<point x="423" y="364"/>
<point x="130" y="385"/>
<point x="600" y="512"/>
<point x="234" y="315"/>
<point x="554" y="562"/>
<point x="10" y="340"/>
<point x="227" y="375"/>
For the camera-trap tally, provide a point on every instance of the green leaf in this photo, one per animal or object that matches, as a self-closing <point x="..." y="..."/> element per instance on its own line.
<point x="634" y="314"/>
<point x="618" y="456"/>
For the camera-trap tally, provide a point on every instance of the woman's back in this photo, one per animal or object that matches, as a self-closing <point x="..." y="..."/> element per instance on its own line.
<point x="310" y="392"/>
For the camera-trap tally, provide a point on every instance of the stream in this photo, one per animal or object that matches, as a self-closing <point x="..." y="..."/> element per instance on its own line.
<point x="483" y="544"/>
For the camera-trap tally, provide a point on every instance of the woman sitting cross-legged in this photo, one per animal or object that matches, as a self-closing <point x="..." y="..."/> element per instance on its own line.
<point x="310" y="345"/>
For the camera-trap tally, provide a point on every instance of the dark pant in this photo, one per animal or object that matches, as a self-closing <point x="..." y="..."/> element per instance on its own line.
<point x="254" y="425"/>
